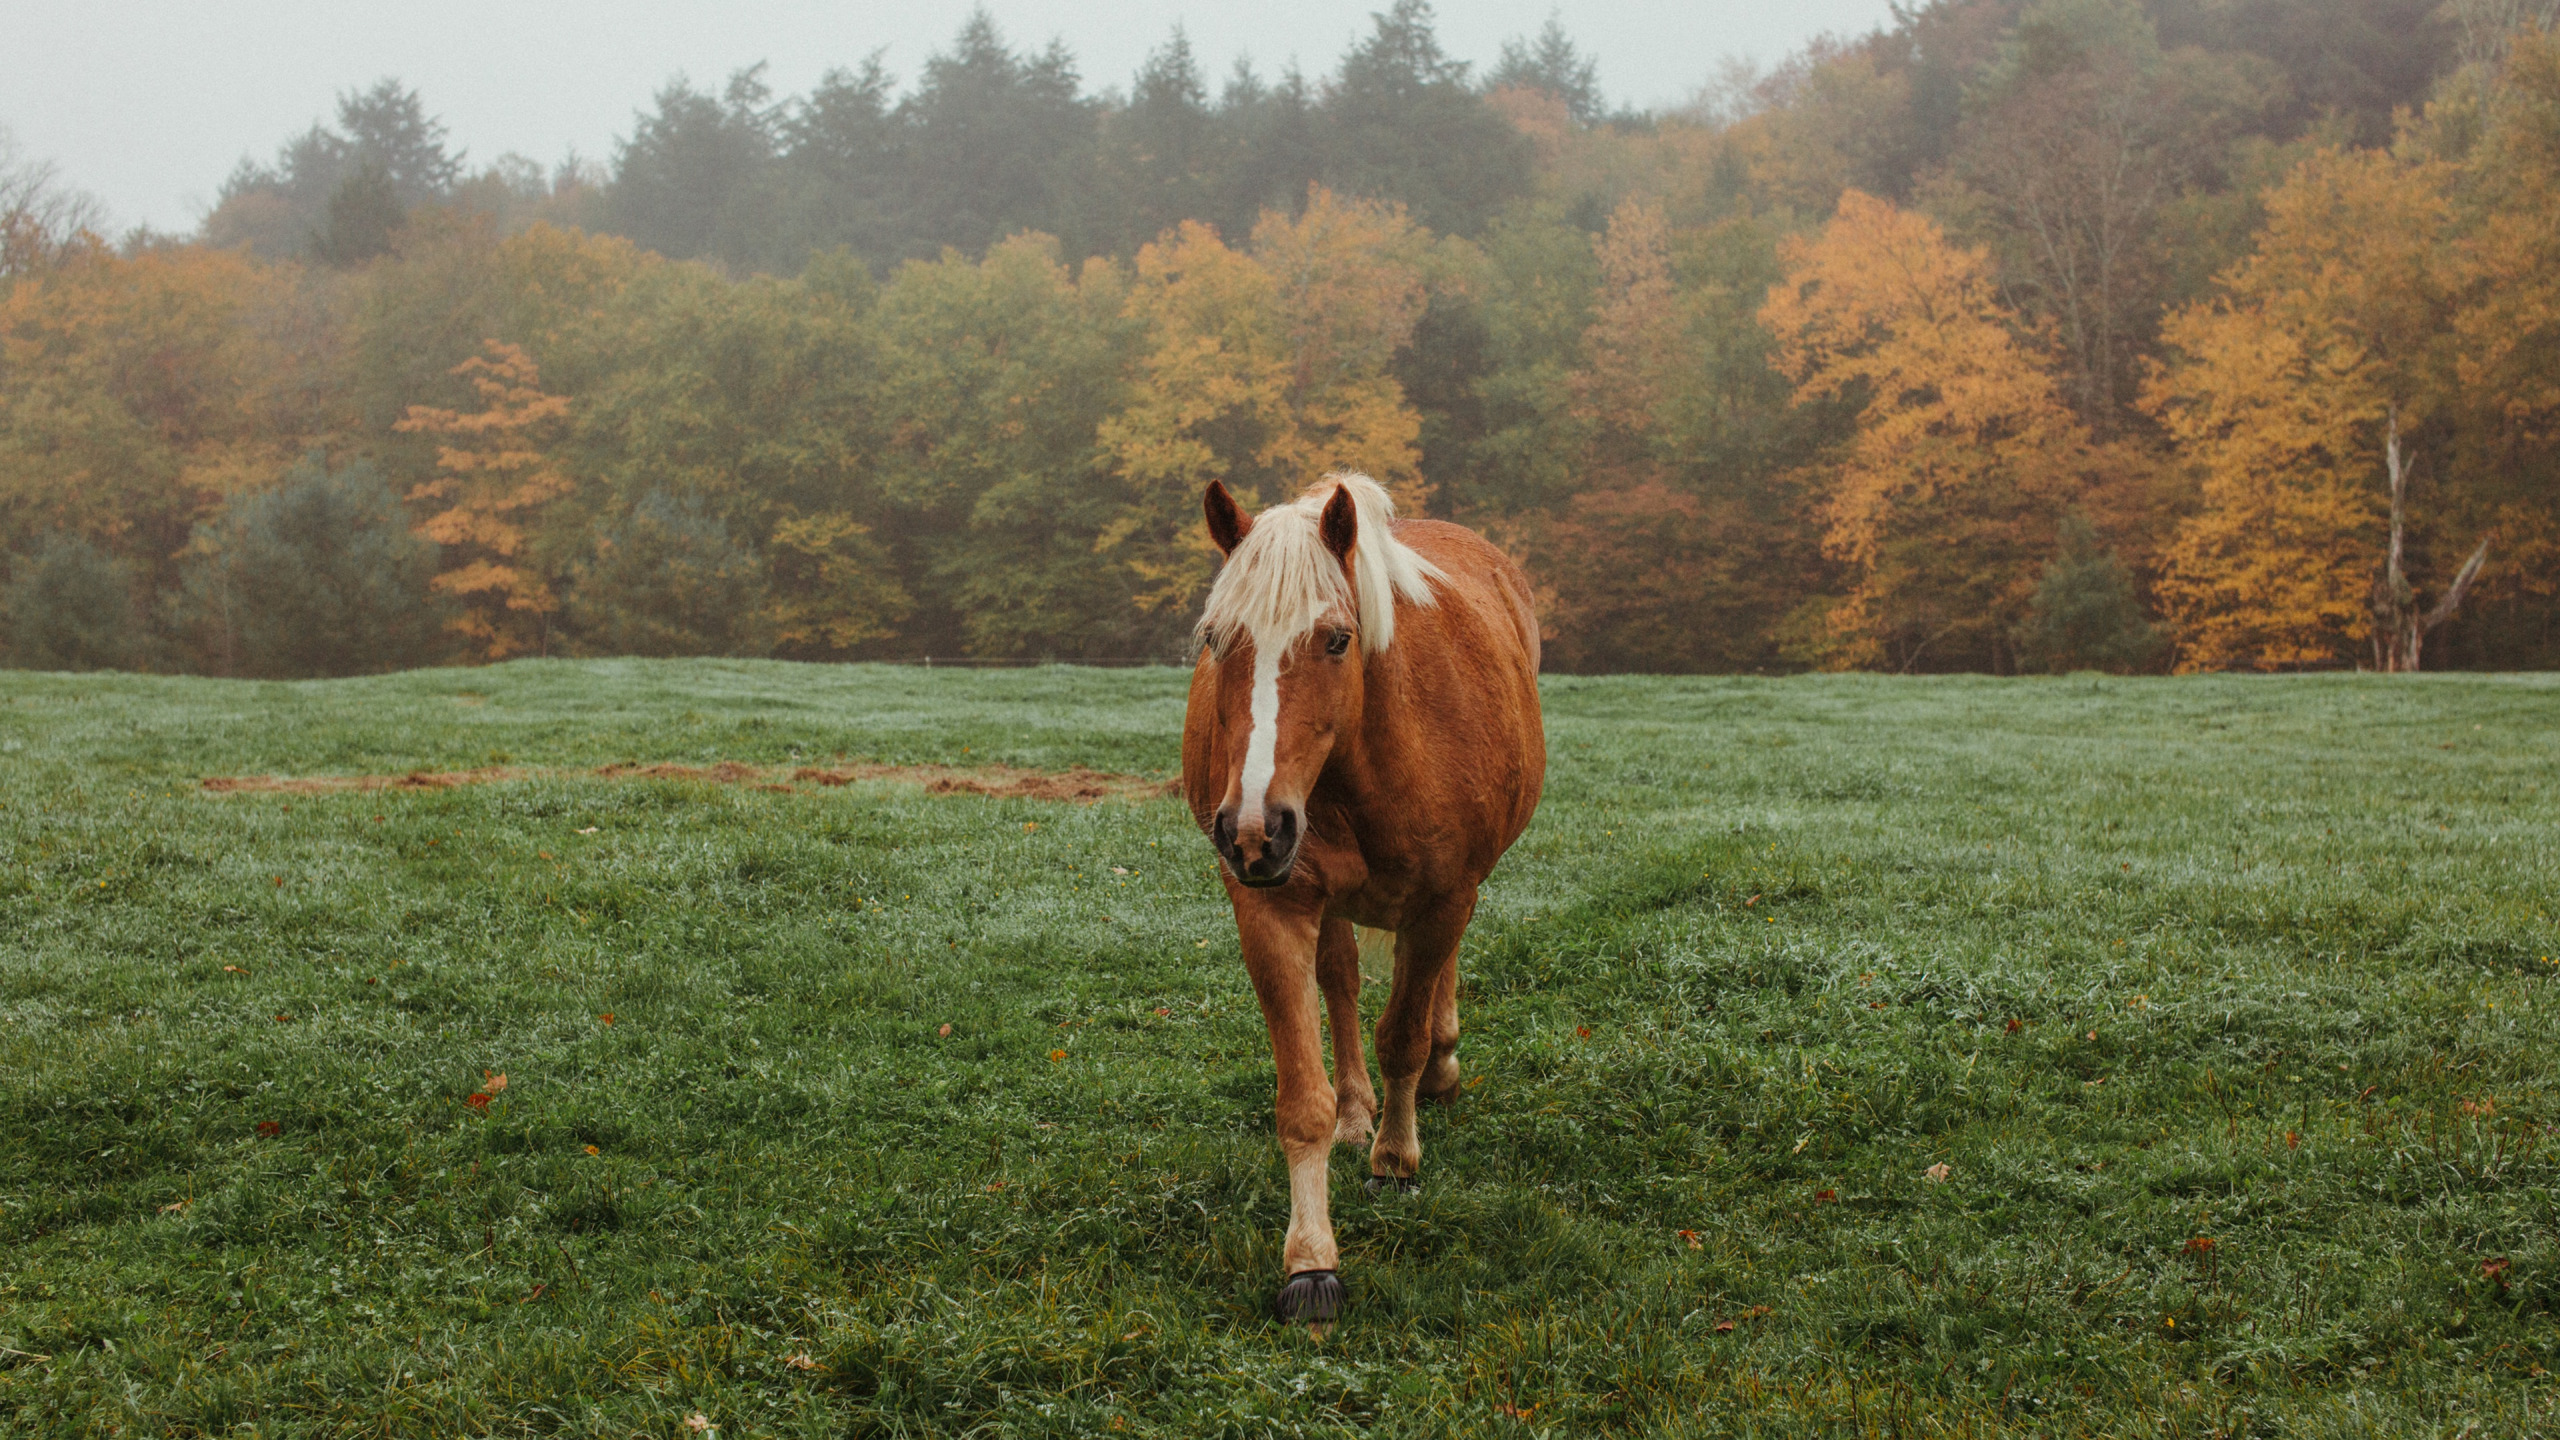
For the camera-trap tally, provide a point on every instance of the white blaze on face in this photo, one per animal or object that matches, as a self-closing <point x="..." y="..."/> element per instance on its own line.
<point x="1261" y="748"/>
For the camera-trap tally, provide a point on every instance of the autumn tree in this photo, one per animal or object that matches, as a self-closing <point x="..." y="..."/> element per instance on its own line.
<point x="1945" y="496"/>
<point x="495" y="476"/>
<point x="1265" y="370"/>
<point x="2290" y="396"/>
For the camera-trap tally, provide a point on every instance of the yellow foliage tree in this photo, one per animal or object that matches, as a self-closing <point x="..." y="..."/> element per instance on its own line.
<point x="495" y="478"/>
<point x="136" y="392"/>
<point x="1264" y="371"/>
<point x="2281" y="394"/>
<point x="1945" y="498"/>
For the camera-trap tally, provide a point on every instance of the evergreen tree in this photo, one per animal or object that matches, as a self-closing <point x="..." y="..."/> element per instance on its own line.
<point x="842" y="170"/>
<point x="1552" y="64"/>
<point x="1271" y="131"/>
<point x="68" y="605"/>
<point x="1404" y="124"/>
<point x="319" y="576"/>
<point x="362" y="217"/>
<point x="669" y="579"/>
<point x="2085" y="615"/>
<point x="693" y="180"/>
<point x="1161" y="150"/>
<point x="999" y="143"/>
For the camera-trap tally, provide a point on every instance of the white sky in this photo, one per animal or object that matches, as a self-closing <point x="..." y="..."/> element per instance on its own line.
<point x="148" y="104"/>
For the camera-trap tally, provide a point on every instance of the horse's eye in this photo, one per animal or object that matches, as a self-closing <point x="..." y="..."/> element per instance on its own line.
<point x="1339" y="644"/>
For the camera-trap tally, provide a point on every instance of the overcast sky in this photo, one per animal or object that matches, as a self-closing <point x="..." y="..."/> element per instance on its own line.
<point x="148" y="104"/>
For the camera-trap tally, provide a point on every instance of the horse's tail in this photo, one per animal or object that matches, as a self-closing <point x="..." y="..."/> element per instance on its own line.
<point x="1377" y="951"/>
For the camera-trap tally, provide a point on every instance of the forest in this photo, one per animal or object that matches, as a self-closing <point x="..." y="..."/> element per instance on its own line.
<point x="2016" y="336"/>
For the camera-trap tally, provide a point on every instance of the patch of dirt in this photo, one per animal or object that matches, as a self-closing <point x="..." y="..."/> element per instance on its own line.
<point x="322" y="784"/>
<point x="1002" y="782"/>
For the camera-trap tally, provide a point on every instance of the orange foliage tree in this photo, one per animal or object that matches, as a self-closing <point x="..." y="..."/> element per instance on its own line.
<point x="1946" y="496"/>
<point x="494" y="479"/>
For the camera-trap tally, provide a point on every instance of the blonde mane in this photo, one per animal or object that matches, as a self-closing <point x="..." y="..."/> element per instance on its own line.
<point x="1282" y="580"/>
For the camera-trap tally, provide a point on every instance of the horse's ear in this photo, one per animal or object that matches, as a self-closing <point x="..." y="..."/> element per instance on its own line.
<point x="1340" y="523"/>
<point x="1228" y="525"/>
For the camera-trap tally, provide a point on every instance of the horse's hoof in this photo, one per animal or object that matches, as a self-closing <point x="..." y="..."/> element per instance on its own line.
<point x="1401" y="1184"/>
<point x="1311" y="1297"/>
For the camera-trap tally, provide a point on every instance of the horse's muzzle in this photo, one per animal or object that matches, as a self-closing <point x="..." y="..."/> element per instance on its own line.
<point x="1259" y="857"/>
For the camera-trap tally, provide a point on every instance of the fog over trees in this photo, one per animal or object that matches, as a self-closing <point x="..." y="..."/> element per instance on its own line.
<point x="2073" y="333"/>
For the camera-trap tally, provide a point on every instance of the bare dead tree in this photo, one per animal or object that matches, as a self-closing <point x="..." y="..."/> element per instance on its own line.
<point x="2399" y="629"/>
<point x="41" y="218"/>
<point x="2488" y="27"/>
<point x="2076" y="167"/>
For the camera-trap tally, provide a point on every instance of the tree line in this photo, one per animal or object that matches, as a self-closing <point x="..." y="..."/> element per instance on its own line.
<point x="2015" y="336"/>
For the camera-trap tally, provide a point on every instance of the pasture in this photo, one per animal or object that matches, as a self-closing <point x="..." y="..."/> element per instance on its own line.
<point x="1849" y="1056"/>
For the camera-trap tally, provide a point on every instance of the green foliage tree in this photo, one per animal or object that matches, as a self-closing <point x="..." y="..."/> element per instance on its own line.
<point x="693" y="180"/>
<point x="668" y="578"/>
<point x="320" y="575"/>
<point x="69" y="605"/>
<point x="2085" y="615"/>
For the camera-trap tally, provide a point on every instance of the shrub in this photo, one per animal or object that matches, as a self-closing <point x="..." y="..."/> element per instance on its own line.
<point x="318" y="576"/>
<point x="2085" y="615"/>
<point x="69" y="605"/>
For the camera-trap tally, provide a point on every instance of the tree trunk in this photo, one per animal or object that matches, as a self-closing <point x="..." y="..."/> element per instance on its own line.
<point x="2399" y="630"/>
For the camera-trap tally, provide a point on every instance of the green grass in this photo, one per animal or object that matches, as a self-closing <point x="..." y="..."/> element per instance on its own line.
<point x="2279" y="954"/>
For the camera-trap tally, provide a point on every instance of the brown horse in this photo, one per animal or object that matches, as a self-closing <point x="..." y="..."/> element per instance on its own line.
<point x="1363" y="743"/>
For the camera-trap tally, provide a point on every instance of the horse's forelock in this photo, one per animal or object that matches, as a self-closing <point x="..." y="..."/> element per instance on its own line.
<point x="1281" y="580"/>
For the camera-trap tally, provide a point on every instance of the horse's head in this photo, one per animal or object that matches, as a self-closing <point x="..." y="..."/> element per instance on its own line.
<point x="1289" y="666"/>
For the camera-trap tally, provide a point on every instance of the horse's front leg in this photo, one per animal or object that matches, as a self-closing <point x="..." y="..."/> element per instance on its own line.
<point x="1418" y="1036"/>
<point x="1280" y="954"/>
<point x="1355" y="1107"/>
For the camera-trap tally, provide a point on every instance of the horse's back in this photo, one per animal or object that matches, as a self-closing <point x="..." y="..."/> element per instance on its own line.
<point x="1473" y="661"/>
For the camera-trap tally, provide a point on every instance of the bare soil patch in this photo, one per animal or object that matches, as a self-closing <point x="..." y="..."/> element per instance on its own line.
<point x="1003" y="782"/>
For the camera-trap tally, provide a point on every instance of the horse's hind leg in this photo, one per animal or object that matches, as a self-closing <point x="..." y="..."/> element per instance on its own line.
<point x="1411" y="1045"/>
<point x="1355" y="1103"/>
<point x="1440" y="1073"/>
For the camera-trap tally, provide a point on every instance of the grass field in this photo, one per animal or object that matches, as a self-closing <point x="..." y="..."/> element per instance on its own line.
<point x="2225" y="1004"/>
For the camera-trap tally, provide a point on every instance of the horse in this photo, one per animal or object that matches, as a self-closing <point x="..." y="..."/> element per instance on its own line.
<point x="1362" y="743"/>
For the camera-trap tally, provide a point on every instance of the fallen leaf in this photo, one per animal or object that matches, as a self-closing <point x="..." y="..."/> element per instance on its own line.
<point x="998" y="1185"/>
<point x="1119" y="869"/>
<point x="605" y="1019"/>
<point x="1826" y="1197"/>
<point x="945" y="1030"/>
<point x="1754" y="900"/>
<point x="696" y="1423"/>
<point x="2014" y="1026"/>
<point x="1057" y="1055"/>
<point x="1937" y="1174"/>
<point x="1162" y="1010"/>
<point x="270" y="1127"/>
<point x="1692" y="1237"/>
<point x="1029" y="826"/>
<point x="593" y="1151"/>
<point x="1584" y="1031"/>
<point x="476" y="1100"/>
<point x="800" y="1361"/>
<point x="2292" y="1141"/>
<point x="545" y="854"/>
<point x="233" y="970"/>
<point x="2200" y="1245"/>
<point x="492" y="1084"/>
<point x="174" y="1206"/>
<point x="283" y="1019"/>
<point x="1724" y="1327"/>
<point x="279" y="883"/>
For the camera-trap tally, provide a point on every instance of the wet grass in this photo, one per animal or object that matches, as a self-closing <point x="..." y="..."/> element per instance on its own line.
<point x="2224" y="1004"/>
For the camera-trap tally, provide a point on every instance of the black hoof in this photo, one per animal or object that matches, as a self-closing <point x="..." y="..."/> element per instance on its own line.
<point x="1401" y="1184"/>
<point x="1311" y="1296"/>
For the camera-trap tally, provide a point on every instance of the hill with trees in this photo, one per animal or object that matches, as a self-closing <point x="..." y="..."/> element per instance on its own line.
<point x="2072" y="333"/>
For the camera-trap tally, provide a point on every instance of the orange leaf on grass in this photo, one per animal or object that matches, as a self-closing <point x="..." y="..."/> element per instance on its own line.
<point x="945" y="1030"/>
<point x="605" y="1019"/>
<point x="1692" y="1237"/>
<point x="1057" y="1055"/>
<point x="492" y="1084"/>
<point x="476" y="1100"/>
<point x="270" y="1127"/>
